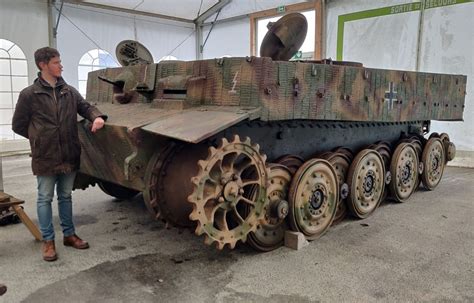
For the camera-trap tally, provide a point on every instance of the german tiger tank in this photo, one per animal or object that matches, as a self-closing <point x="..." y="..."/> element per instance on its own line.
<point x="243" y="149"/>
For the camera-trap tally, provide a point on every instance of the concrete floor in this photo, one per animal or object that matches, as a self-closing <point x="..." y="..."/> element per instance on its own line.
<point x="421" y="250"/>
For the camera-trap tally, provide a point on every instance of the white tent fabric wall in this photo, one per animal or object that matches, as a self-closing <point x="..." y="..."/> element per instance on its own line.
<point x="30" y="35"/>
<point x="107" y="29"/>
<point x="162" y="39"/>
<point x="335" y="8"/>
<point x="448" y="47"/>
<point x="391" y="42"/>
<point x="228" y="38"/>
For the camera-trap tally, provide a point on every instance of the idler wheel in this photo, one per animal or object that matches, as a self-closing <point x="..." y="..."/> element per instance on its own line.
<point x="366" y="179"/>
<point x="449" y="147"/>
<point x="168" y="182"/>
<point x="225" y="204"/>
<point x="313" y="197"/>
<point x="404" y="170"/>
<point x="270" y="233"/>
<point x="433" y="159"/>
<point x="451" y="151"/>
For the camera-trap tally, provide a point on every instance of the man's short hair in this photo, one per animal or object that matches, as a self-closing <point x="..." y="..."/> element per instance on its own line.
<point x="45" y="54"/>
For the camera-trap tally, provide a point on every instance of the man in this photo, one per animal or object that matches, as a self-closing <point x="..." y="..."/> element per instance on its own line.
<point x="46" y="114"/>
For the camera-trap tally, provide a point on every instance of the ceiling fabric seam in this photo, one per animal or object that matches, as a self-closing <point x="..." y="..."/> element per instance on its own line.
<point x="131" y="16"/>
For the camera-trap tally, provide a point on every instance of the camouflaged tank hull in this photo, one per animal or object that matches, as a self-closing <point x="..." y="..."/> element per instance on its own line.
<point x="167" y="120"/>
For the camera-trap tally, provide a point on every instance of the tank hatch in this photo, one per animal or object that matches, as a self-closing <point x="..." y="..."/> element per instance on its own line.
<point x="284" y="37"/>
<point x="131" y="52"/>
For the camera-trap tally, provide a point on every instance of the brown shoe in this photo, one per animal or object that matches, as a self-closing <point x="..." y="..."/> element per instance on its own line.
<point x="49" y="251"/>
<point x="75" y="242"/>
<point x="3" y="289"/>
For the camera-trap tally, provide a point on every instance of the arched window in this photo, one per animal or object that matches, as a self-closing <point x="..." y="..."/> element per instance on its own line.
<point x="167" y="58"/>
<point x="93" y="60"/>
<point x="13" y="78"/>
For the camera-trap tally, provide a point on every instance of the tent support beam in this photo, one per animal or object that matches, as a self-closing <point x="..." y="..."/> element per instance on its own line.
<point x="199" y="23"/>
<point x="129" y="11"/>
<point x="51" y="24"/>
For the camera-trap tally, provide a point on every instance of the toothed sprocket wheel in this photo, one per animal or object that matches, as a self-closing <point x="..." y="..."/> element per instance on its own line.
<point x="225" y="206"/>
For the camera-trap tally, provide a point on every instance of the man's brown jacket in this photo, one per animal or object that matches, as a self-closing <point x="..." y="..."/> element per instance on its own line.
<point x="47" y="116"/>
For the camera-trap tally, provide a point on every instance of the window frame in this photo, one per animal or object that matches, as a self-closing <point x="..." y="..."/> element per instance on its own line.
<point x="317" y="6"/>
<point x="92" y="66"/>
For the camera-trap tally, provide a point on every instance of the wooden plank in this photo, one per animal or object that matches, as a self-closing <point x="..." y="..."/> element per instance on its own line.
<point x="4" y="197"/>
<point x="27" y="221"/>
<point x="319" y="22"/>
<point x="253" y="49"/>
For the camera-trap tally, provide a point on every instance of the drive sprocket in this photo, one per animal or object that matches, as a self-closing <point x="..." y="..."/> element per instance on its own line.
<point x="224" y="205"/>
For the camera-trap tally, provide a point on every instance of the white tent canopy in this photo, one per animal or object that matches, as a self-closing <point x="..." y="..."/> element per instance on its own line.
<point x="188" y="9"/>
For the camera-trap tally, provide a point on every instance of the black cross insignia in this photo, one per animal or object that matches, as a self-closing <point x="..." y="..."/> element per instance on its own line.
<point x="391" y="95"/>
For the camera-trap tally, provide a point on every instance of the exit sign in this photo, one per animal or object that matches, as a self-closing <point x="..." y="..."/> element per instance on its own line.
<point x="281" y="9"/>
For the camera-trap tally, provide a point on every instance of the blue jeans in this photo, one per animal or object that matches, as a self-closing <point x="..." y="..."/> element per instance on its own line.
<point x="46" y="184"/>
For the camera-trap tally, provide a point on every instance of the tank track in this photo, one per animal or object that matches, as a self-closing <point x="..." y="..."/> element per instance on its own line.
<point x="311" y="194"/>
<point x="235" y="195"/>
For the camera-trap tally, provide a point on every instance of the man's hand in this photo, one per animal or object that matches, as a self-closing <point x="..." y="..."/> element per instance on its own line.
<point x="97" y="124"/>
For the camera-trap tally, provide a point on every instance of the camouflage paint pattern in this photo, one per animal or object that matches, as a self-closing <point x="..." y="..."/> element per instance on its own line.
<point x="289" y="90"/>
<point x="149" y="105"/>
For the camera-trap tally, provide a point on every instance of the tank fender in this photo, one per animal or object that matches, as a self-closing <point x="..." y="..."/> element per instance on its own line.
<point x="199" y="123"/>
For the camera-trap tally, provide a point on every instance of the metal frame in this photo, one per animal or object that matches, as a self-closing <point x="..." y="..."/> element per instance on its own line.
<point x="199" y="24"/>
<point x="1" y="175"/>
<point x="126" y="10"/>
<point x="51" y="24"/>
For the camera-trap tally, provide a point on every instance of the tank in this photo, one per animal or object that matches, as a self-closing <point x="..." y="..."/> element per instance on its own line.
<point x="244" y="149"/>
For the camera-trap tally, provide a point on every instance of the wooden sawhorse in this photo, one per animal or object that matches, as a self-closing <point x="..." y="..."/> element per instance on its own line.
<point x="7" y="201"/>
